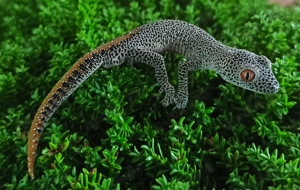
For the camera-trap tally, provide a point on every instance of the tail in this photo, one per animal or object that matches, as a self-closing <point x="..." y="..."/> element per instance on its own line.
<point x="70" y="81"/>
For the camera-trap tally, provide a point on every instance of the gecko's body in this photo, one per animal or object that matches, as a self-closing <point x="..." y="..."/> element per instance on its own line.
<point x="144" y="44"/>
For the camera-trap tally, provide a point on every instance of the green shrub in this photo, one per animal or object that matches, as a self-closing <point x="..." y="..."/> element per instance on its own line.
<point x="113" y="133"/>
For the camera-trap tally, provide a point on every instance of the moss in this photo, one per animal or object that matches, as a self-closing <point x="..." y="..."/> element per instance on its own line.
<point x="113" y="133"/>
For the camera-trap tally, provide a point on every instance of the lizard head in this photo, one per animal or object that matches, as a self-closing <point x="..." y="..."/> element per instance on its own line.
<point x="250" y="71"/>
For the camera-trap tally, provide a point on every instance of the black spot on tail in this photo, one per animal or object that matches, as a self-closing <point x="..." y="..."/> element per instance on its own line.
<point x="66" y="84"/>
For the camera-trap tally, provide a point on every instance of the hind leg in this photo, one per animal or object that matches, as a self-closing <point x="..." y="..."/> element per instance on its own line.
<point x="157" y="61"/>
<point x="114" y="58"/>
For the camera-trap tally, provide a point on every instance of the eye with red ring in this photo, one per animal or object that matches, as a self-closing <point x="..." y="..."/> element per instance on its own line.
<point x="247" y="75"/>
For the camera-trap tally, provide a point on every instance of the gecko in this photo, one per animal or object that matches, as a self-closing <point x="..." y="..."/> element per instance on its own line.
<point x="145" y="44"/>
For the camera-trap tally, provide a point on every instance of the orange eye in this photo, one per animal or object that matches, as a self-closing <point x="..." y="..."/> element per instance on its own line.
<point x="247" y="75"/>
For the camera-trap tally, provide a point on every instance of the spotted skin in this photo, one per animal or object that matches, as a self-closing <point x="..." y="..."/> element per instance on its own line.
<point x="145" y="44"/>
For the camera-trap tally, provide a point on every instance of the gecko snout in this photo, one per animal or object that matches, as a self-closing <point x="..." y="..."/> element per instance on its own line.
<point x="275" y="88"/>
<point x="269" y="87"/>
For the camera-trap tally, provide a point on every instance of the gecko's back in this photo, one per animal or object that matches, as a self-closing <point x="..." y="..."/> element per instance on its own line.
<point x="172" y="35"/>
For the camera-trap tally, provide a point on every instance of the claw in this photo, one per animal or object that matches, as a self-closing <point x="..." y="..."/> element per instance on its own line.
<point x="170" y="97"/>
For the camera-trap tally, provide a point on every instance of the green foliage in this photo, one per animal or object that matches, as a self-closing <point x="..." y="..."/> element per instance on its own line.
<point x="113" y="133"/>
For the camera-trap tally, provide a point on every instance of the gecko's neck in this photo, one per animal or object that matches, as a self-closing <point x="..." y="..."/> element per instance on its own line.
<point x="214" y="56"/>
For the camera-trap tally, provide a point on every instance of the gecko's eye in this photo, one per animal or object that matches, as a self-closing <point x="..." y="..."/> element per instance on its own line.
<point x="247" y="75"/>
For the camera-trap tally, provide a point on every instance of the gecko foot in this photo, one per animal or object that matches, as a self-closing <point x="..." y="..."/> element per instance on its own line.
<point x="182" y="100"/>
<point x="170" y="97"/>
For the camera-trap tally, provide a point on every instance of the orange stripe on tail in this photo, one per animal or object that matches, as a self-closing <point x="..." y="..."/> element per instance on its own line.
<point x="77" y="74"/>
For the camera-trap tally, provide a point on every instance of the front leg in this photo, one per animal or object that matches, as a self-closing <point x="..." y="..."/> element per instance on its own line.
<point x="157" y="61"/>
<point x="183" y="93"/>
